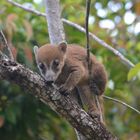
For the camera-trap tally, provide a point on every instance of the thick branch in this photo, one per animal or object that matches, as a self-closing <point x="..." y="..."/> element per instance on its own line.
<point x="32" y="82"/>
<point x="80" y="28"/>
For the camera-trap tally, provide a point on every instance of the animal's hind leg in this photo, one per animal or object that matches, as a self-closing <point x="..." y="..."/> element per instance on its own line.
<point x="89" y="101"/>
<point x="98" y="79"/>
<point x="75" y="95"/>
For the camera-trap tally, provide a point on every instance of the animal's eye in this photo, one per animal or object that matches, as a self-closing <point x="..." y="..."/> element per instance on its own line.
<point x="41" y="66"/>
<point x="56" y="62"/>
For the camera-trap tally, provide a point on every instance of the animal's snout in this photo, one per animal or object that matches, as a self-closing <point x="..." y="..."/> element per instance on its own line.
<point x="49" y="82"/>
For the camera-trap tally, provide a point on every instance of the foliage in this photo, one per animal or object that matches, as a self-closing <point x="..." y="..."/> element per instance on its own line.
<point x="134" y="72"/>
<point x="24" y="118"/>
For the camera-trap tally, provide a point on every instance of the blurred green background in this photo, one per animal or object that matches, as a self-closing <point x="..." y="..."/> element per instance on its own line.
<point x="117" y="22"/>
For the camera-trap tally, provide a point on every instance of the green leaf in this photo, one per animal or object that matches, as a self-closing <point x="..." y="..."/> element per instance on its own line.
<point x="11" y="113"/>
<point x="133" y="72"/>
<point x="138" y="46"/>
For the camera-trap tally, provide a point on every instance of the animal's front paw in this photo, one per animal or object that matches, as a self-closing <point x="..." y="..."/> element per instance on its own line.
<point x="49" y="82"/>
<point x="64" y="90"/>
<point x="94" y="114"/>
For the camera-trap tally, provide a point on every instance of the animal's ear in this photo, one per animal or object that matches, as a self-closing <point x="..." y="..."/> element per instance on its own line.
<point x="63" y="46"/>
<point x="35" y="51"/>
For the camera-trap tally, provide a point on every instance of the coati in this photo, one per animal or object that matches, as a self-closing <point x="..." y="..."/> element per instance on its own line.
<point x="66" y="66"/>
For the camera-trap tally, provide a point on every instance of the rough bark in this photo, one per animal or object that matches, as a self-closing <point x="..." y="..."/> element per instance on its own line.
<point x="91" y="128"/>
<point x="55" y="25"/>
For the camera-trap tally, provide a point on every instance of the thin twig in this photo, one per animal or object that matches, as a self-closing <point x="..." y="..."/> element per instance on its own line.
<point x="27" y="9"/>
<point x="101" y="42"/>
<point x="121" y="102"/>
<point x="87" y="33"/>
<point x="3" y="56"/>
<point x="96" y="98"/>
<point x="80" y="28"/>
<point x="6" y="48"/>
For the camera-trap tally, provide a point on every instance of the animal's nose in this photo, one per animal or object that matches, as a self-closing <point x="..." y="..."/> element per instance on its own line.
<point x="49" y="82"/>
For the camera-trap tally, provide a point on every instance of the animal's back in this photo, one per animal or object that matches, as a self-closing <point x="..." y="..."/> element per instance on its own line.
<point x="78" y="53"/>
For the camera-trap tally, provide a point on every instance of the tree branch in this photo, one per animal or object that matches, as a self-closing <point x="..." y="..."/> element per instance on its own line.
<point x="5" y="47"/>
<point x="27" y="9"/>
<point x="55" y="25"/>
<point x="101" y="42"/>
<point x="121" y="102"/>
<point x="35" y="85"/>
<point x="80" y="28"/>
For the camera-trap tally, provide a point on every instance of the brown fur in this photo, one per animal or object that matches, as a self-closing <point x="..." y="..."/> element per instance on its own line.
<point x="73" y="71"/>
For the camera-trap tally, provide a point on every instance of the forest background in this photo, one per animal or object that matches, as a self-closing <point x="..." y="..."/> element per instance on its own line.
<point x="117" y="22"/>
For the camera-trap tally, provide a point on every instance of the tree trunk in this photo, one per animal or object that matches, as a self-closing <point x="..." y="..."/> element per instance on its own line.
<point x="91" y="128"/>
<point x="55" y="25"/>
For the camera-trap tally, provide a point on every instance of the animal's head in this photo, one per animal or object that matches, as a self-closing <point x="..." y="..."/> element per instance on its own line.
<point x="50" y="60"/>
